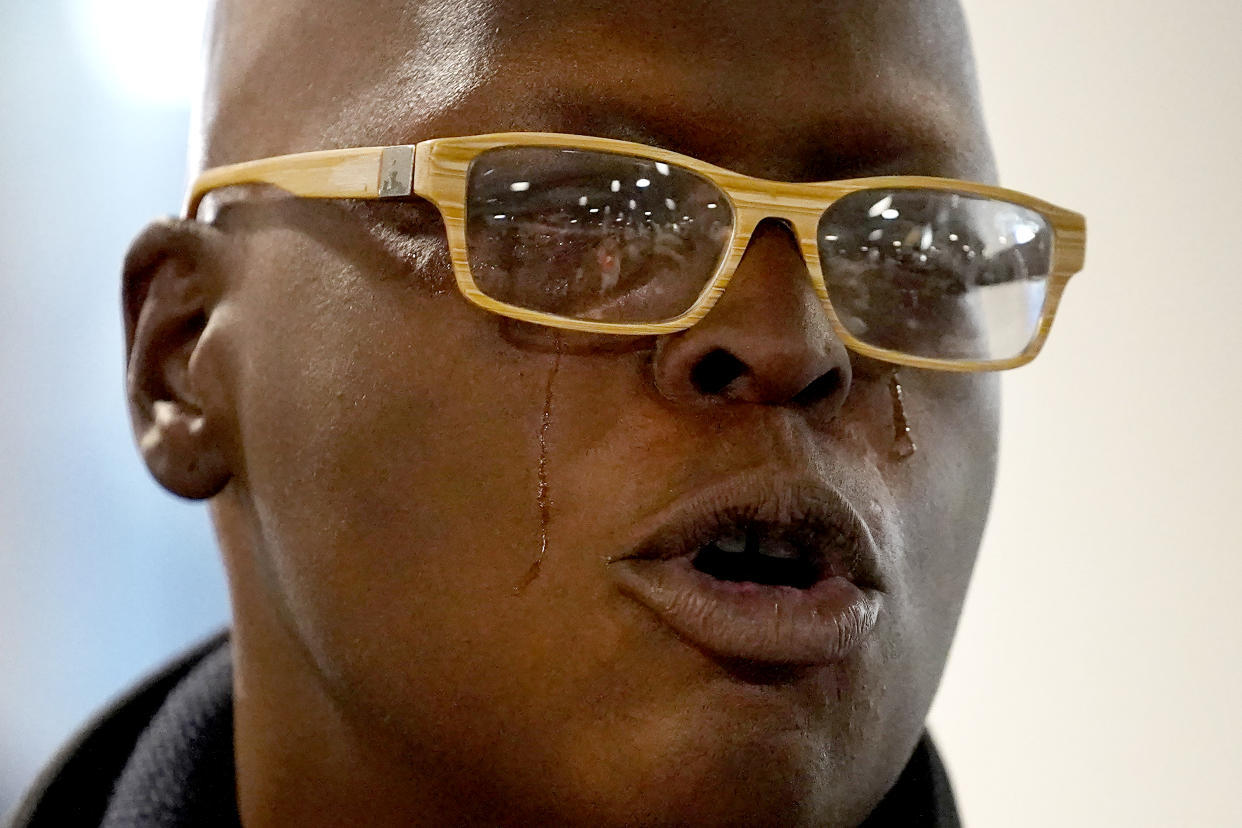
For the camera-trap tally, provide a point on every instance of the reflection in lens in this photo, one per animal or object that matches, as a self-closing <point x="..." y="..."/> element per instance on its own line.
<point x="935" y="273"/>
<point x="592" y="235"/>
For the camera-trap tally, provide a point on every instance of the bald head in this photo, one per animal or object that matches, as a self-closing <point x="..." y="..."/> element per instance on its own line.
<point x="876" y="80"/>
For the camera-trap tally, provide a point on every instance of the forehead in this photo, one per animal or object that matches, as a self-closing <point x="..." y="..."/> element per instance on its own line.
<point x="832" y="84"/>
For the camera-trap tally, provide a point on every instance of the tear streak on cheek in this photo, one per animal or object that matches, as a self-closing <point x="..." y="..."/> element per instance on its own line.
<point x="543" y="498"/>
<point x="904" y="446"/>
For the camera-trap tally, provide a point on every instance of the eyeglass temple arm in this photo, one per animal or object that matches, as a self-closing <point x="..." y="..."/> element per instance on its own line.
<point x="365" y="172"/>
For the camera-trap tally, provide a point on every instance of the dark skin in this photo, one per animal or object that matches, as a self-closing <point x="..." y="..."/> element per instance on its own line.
<point x="370" y="441"/>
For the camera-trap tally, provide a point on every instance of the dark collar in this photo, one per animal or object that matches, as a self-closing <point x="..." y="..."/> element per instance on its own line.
<point x="152" y="757"/>
<point x="921" y="796"/>
<point x="162" y="757"/>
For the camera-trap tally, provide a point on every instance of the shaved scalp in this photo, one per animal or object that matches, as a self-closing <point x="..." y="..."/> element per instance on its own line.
<point x="262" y="97"/>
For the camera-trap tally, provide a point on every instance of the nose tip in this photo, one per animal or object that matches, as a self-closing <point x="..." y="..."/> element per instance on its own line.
<point x="767" y="340"/>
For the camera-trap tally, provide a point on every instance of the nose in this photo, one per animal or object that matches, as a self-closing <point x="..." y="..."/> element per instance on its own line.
<point x="766" y="341"/>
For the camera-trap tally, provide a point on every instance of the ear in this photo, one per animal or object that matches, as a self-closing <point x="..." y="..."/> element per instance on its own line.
<point x="170" y="282"/>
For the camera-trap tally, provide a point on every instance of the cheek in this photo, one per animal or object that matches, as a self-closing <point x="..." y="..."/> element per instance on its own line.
<point x="392" y="451"/>
<point x="945" y="492"/>
<point x="391" y="459"/>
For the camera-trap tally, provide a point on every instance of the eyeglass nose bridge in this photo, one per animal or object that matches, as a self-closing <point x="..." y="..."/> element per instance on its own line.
<point x="800" y="217"/>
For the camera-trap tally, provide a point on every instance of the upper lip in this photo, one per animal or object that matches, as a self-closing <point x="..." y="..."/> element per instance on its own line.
<point x="813" y="517"/>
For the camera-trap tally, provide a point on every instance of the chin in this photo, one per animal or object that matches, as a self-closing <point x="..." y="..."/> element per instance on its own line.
<point x="740" y="756"/>
<point x="764" y="782"/>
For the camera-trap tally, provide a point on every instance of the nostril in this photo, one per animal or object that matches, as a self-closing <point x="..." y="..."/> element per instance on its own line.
<point x="820" y="388"/>
<point x="716" y="371"/>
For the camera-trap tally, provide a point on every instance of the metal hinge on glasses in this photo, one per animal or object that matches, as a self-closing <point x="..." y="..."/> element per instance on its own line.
<point x="396" y="172"/>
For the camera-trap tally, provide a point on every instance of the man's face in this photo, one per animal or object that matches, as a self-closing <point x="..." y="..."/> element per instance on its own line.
<point x="404" y="458"/>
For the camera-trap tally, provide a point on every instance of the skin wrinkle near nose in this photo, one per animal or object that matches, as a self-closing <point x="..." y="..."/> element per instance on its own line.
<point x="870" y="485"/>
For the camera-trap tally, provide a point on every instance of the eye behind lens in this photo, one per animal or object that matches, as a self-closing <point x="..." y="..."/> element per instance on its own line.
<point x="936" y="273"/>
<point x="592" y="235"/>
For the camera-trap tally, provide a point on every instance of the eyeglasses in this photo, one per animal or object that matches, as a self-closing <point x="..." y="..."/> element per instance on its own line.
<point x="606" y="236"/>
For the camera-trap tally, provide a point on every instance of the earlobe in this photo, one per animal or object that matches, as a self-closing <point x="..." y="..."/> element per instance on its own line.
<point x="169" y="292"/>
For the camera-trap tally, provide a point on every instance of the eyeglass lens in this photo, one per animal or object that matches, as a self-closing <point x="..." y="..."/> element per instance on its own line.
<point x="592" y="235"/>
<point x="937" y="274"/>
<point x="613" y="238"/>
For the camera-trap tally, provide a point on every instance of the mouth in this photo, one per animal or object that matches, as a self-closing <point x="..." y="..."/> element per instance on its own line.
<point x="778" y="574"/>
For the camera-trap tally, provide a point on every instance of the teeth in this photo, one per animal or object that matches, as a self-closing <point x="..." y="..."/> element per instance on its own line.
<point x="778" y="549"/>
<point x="734" y="544"/>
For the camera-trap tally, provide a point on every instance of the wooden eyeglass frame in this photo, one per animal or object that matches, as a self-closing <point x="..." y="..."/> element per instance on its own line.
<point x="436" y="170"/>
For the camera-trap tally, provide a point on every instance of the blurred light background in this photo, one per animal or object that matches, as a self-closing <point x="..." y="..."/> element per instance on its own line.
<point x="103" y="575"/>
<point x="1098" y="664"/>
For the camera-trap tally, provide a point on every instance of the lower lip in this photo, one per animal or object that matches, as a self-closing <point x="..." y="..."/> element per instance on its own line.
<point x="754" y="622"/>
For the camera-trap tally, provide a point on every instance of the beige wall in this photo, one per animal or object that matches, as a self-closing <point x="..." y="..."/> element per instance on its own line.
<point x="1097" y="675"/>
